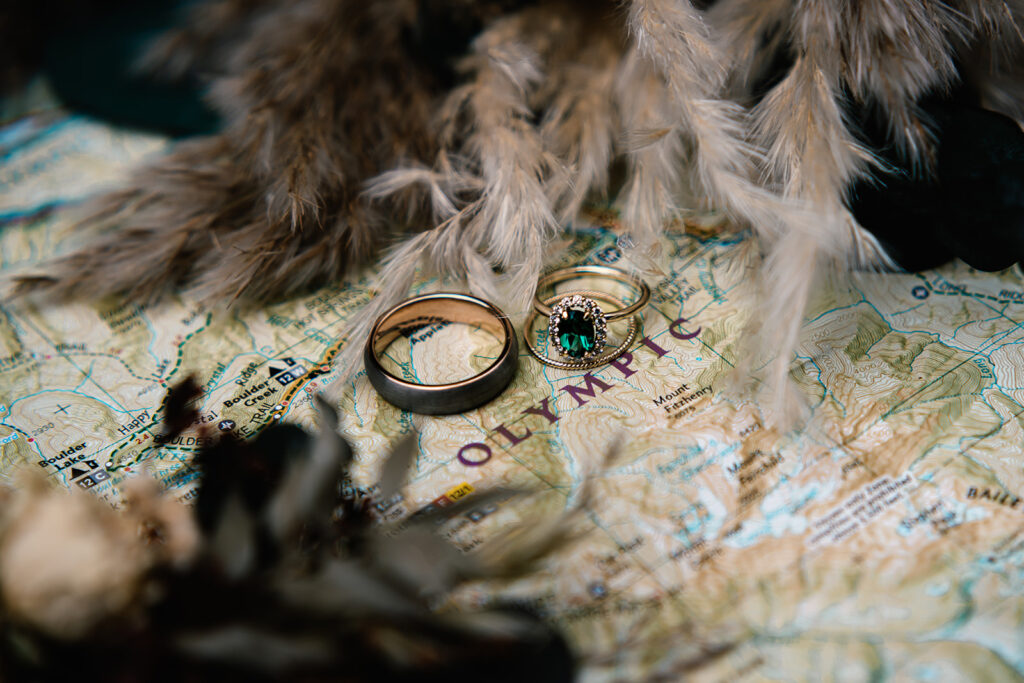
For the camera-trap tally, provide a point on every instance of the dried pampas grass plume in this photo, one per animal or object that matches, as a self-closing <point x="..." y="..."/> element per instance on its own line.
<point x="688" y="106"/>
<point x="886" y="56"/>
<point x="316" y="96"/>
<point x="498" y="184"/>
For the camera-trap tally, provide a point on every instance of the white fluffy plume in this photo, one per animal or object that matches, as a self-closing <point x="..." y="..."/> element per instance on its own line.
<point x="501" y="182"/>
<point x="692" y="75"/>
<point x="884" y="54"/>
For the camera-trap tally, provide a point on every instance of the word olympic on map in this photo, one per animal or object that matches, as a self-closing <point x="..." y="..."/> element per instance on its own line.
<point x="477" y="453"/>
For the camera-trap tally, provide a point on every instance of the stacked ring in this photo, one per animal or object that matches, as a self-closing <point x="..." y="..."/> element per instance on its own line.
<point x="555" y="322"/>
<point x="604" y="272"/>
<point x="577" y="325"/>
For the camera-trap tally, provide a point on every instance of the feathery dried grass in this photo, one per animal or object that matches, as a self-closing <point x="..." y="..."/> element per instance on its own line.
<point x="673" y="36"/>
<point x="271" y="206"/>
<point x="500" y="180"/>
<point x="886" y="55"/>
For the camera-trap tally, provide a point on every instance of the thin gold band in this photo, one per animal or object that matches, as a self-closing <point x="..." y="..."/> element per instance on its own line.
<point x="542" y="305"/>
<point x="634" y="326"/>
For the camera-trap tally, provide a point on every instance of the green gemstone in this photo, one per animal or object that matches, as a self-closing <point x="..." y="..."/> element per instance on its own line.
<point x="576" y="334"/>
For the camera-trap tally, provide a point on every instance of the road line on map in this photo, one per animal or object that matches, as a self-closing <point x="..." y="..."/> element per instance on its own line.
<point x="706" y="345"/>
<point x="181" y="348"/>
<point x="227" y="380"/>
<point x="145" y="429"/>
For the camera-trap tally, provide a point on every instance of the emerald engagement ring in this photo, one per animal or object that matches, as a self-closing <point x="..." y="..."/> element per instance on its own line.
<point x="577" y="324"/>
<point x="578" y="327"/>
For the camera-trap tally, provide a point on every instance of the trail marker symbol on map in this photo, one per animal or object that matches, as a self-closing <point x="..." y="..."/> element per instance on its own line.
<point x="289" y="375"/>
<point x="609" y="254"/>
<point x="277" y="371"/>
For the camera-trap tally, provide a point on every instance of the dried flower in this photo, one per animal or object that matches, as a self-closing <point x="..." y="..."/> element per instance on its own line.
<point x="277" y="572"/>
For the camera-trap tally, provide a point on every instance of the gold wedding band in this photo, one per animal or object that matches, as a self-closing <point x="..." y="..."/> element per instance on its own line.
<point x="441" y="308"/>
<point x="603" y="272"/>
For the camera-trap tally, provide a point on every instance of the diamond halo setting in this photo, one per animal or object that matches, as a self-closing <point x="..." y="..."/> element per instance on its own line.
<point x="577" y="327"/>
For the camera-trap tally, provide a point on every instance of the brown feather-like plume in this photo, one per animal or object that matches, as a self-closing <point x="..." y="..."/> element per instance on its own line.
<point x="272" y="205"/>
<point x="673" y="36"/>
<point x="500" y="180"/>
<point x="581" y="123"/>
<point x="176" y="209"/>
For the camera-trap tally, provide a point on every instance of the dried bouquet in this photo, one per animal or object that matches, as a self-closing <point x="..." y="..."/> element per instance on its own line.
<point x="281" y="571"/>
<point x="462" y="134"/>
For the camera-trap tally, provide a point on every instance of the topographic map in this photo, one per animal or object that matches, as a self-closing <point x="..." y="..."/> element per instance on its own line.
<point x="885" y="541"/>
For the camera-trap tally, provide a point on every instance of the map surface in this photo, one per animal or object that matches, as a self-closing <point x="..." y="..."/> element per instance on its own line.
<point x="884" y="541"/>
